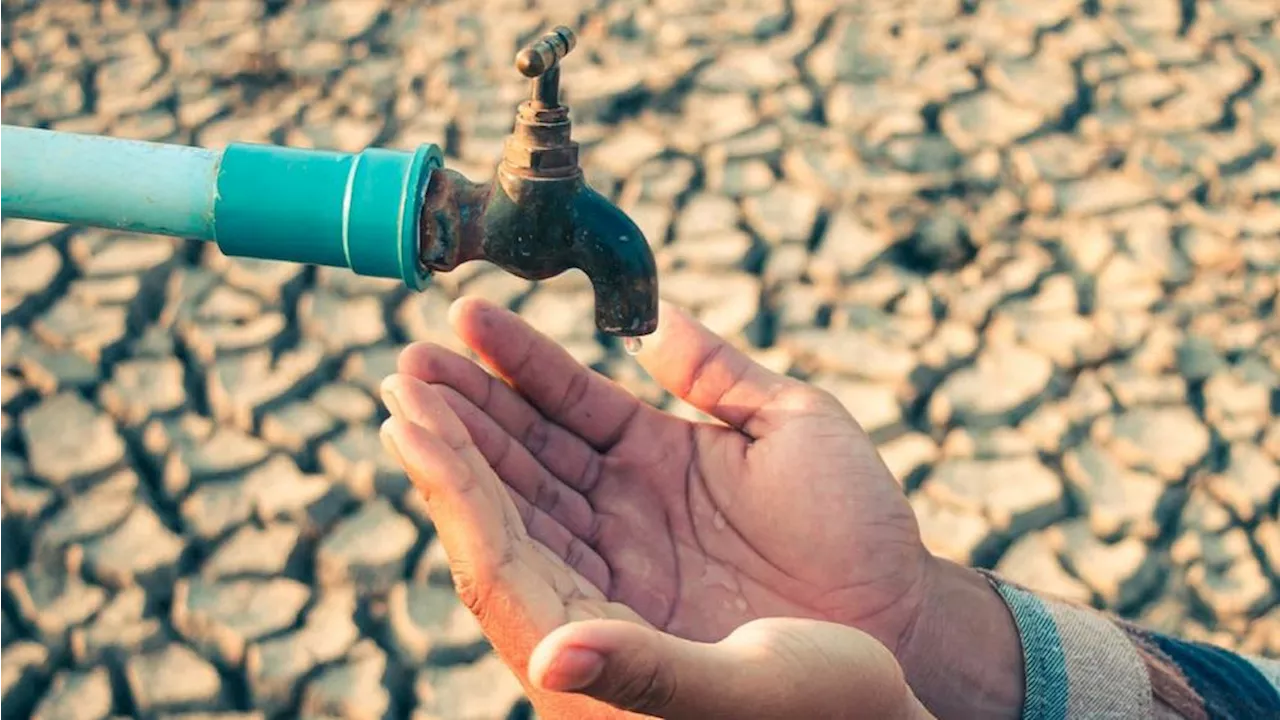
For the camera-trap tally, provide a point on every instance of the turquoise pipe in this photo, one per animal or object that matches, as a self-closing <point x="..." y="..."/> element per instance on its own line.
<point x="355" y="210"/>
<point x="101" y="181"/>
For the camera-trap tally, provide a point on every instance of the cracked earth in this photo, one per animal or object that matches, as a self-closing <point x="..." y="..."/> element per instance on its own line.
<point x="1033" y="246"/>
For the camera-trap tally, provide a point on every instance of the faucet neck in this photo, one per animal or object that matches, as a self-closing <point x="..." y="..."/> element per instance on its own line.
<point x="546" y="88"/>
<point x="542" y="126"/>
<point x="540" y="147"/>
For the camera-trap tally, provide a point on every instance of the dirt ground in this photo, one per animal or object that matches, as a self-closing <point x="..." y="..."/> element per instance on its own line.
<point x="1033" y="246"/>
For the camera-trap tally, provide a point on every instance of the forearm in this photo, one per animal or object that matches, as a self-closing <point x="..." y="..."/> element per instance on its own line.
<point x="989" y="648"/>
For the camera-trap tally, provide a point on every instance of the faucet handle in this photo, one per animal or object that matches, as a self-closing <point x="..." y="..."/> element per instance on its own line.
<point x="540" y="60"/>
<point x="542" y="54"/>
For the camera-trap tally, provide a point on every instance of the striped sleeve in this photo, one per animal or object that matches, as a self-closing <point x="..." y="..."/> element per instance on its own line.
<point x="1082" y="663"/>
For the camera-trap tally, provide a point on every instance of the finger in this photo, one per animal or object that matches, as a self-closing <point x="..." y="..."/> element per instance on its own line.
<point x="704" y="370"/>
<point x="563" y="453"/>
<point x="631" y="667"/>
<point x="416" y="402"/>
<point x="419" y="405"/>
<point x="520" y="471"/>
<point x="572" y="550"/>
<point x="779" y="668"/>
<point x="472" y="528"/>
<point x="582" y="400"/>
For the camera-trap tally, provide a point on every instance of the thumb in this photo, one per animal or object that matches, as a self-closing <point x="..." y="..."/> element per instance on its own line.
<point x="706" y="371"/>
<point x="770" y="668"/>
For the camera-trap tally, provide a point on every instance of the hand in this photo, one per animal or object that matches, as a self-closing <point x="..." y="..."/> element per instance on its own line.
<point x="787" y="510"/>
<point x="558" y="496"/>
<point x="774" y="668"/>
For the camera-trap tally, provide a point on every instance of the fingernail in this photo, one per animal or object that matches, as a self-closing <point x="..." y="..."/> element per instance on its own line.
<point x="389" y="444"/>
<point x="573" y="669"/>
<point x="392" y="402"/>
<point x="392" y="447"/>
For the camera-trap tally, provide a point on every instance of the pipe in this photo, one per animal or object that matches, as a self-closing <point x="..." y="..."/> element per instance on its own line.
<point x="108" y="182"/>
<point x="356" y="210"/>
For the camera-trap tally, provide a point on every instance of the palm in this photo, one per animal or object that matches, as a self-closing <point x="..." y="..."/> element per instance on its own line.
<point x="696" y="527"/>
<point x="798" y="524"/>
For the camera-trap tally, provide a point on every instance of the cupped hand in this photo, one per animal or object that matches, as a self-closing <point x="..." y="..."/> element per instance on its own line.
<point x="560" y="496"/>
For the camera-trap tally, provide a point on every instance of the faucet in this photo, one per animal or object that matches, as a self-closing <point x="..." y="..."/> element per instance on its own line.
<point x="539" y="217"/>
<point x="379" y="212"/>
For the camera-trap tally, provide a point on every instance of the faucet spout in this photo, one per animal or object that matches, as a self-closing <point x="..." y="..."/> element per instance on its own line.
<point x="614" y="254"/>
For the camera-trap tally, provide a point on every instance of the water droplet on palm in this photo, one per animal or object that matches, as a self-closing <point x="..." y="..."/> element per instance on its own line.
<point x="717" y="520"/>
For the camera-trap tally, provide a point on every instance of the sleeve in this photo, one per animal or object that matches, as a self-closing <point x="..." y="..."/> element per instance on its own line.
<point x="1082" y="663"/>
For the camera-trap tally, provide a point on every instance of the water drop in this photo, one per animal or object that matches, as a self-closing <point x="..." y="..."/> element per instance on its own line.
<point x="741" y="604"/>
<point x="633" y="345"/>
<point x="717" y="520"/>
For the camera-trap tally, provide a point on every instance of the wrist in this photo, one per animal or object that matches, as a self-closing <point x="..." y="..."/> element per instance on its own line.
<point x="963" y="657"/>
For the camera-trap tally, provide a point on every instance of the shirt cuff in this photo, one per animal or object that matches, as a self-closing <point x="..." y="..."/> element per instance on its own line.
<point x="1081" y="662"/>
